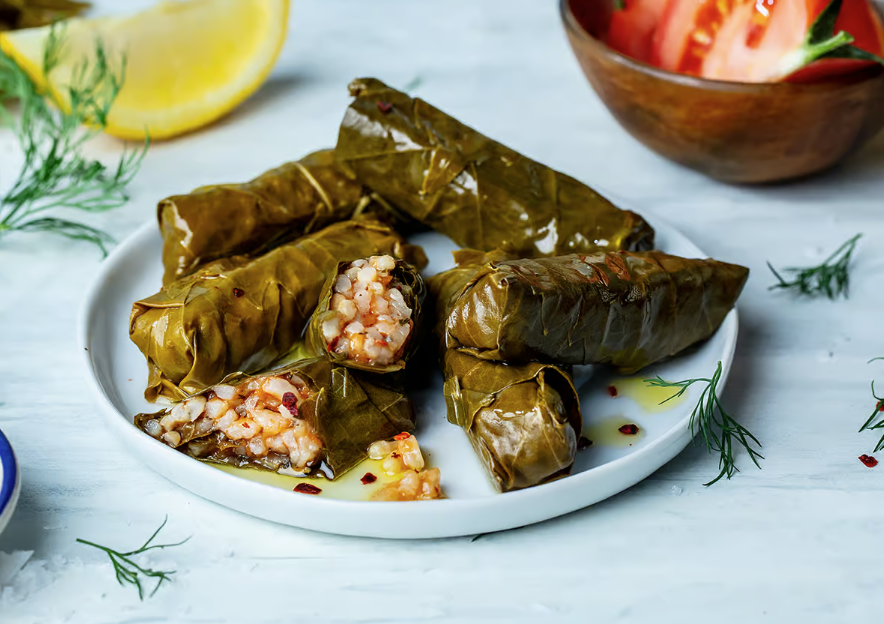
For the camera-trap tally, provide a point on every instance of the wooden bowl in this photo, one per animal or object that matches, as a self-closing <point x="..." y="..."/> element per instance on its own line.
<point x="736" y="132"/>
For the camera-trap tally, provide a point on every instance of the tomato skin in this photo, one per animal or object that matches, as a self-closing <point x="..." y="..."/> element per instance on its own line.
<point x="861" y="20"/>
<point x="826" y="69"/>
<point x="632" y="28"/>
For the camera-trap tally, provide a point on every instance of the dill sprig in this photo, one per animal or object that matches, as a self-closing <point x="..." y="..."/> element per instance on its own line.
<point x="720" y="431"/>
<point x="55" y="174"/>
<point x="413" y="84"/>
<point x="831" y="278"/>
<point x="880" y="444"/>
<point x="128" y="571"/>
<point x="870" y="424"/>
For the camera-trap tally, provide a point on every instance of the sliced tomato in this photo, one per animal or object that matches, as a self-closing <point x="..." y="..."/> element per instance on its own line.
<point x="861" y="20"/>
<point x="687" y="28"/>
<point x="632" y="27"/>
<point x="749" y="46"/>
<point x="758" y="40"/>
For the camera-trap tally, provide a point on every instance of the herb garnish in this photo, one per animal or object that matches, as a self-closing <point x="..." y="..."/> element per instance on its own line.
<point x="56" y="174"/>
<point x="831" y="278"/>
<point x="719" y="429"/>
<point x="870" y="424"/>
<point x="413" y="84"/>
<point x="128" y="571"/>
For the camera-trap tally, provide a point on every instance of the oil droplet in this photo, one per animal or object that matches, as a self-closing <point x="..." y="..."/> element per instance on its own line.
<point x="347" y="487"/>
<point x="607" y="432"/>
<point x="650" y="398"/>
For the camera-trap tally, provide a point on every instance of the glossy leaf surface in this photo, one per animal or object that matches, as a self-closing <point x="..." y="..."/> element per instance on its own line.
<point x="223" y="220"/>
<point x="523" y="421"/>
<point x="240" y="314"/>
<point x="625" y="309"/>
<point x="479" y="193"/>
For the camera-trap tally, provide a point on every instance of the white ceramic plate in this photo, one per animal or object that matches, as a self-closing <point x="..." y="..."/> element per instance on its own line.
<point x="117" y="372"/>
<point x="10" y="481"/>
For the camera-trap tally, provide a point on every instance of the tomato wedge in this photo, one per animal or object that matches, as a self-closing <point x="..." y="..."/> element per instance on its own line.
<point x="632" y="27"/>
<point x="686" y="31"/>
<point x="767" y="40"/>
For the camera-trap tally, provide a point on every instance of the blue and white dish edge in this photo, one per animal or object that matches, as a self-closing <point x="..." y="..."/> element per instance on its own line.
<point x="10" y="481"/>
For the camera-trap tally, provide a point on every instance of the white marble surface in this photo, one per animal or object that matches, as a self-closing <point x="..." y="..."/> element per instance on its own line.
<point x="799" y="539"/>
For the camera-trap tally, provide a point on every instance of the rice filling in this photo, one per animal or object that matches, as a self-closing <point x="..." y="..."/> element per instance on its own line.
<point x="402" y="458"/>
<point x="368" y="320"/>
<point x="259" y="419"/>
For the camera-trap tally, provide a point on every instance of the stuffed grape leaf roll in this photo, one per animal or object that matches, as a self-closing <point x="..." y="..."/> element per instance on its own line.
<point x="223" y="220"/>
<point x="523" y="421"/>
<point x="240" y="314"/>
<point x="308" y="418"/>
<point x="474" y="190"/>
<point x="625" y="309"/>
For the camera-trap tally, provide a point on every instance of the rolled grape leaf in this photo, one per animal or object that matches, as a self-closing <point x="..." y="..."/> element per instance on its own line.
<point x="474" y="190"/>
<point x="280" y="205"/>
<point x="625" y="309"/>
<point x="376" y="208"/>
<point x="16" y="14"/>
<point x="523" y="421"/>
<point x="447" y="287"/>
<point x="240" y="314"/>
<point x="311" y="417"/>
<point x="370" y="315"/>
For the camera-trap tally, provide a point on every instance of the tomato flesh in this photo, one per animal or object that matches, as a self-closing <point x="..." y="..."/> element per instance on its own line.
<point x="687" y="32"/>
<point x="751" y="45"/>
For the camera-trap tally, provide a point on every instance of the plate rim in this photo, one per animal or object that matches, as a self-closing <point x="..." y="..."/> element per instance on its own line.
<point x="209" y="478"/>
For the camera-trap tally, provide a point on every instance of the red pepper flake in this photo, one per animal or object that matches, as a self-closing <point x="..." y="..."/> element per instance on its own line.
<point x="384" y="107"/>
<point x="246" y="425"/>
<point x="612" y="390"/>
<point x="306" y="488"/>
<point x="628" y="429"/>
<point x="368" y="478"/>
<point x="583" y="443"/>
<point x="237" y="292"/>
<point x="290" y="401"/>
<point x="395" y="455"/>
<point x="868" y="461"/>
<point x="402" y="436"/>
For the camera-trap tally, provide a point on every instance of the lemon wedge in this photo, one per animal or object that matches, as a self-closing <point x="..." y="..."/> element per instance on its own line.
<point x="188" y="63"/>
